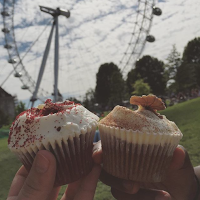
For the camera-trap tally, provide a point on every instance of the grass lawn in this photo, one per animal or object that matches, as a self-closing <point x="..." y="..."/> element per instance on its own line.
<point x="186" y="115"/>
<point x="8" y="167"/>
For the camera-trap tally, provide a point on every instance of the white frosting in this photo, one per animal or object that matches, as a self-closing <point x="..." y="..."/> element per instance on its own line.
<point x="141" y="127"/>
<point x="72" y="121"/>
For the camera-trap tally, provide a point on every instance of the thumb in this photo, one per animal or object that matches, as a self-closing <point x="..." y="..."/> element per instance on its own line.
<point x="40" y="180"/>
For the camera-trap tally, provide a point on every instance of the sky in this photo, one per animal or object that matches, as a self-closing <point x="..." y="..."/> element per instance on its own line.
<point x="97" y="32"/>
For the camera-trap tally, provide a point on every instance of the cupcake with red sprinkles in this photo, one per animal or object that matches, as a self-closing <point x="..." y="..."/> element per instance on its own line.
<point x="64" y="128"/>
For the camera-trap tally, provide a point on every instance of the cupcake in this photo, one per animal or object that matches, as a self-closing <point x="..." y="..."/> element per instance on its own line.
<point x="138" y="145"/>
<point x="66" y="129"/>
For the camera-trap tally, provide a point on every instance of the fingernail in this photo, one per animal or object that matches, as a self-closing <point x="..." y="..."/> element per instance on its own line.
<point x="42" y="164"/>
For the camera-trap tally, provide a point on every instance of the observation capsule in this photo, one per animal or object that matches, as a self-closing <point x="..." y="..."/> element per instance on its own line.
<point x="5" y="14"/>
<point x="12" y="60"/>
<point x="5" y="30"/>
<point x="24" y="87"/>
<point x="7" y="46"/>
<point x="157" y="11"/>
<point x="150" y="38"/>
<point x="17" y="74"/>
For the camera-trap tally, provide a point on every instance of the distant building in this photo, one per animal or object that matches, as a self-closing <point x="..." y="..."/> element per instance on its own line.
<point x="7" y="104"/>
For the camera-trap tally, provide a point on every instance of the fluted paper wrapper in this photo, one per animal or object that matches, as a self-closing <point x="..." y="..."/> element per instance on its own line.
<point x="136" y="156"/>
<point x="73" y="156"/>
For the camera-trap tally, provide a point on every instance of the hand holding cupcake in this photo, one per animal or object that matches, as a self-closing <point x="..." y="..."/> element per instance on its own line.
<point x="65" y="129"/>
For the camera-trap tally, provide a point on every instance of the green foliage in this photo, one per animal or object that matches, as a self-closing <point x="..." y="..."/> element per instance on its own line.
<point x="151" y="70"/>
<point x="20" y="108"/>
<point x="103" y="192"/>
<point x="186" y="77"/>
<point x="191" y="52"/>
<point x="188" y="74"/>
<point x="106" y="78"/>
<point x="116" y="89"/>
<point x="9" y="165"/>
<point x="173" y="62"/>
<point x="141" y="88"/>
<point x="131" y="79"/>
<point x="74" y="100"/>
<point x="89" y="100"/>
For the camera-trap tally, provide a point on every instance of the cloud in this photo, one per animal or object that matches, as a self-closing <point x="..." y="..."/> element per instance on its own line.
<point x="178" y="29"/>
<point x="98" y="31"/>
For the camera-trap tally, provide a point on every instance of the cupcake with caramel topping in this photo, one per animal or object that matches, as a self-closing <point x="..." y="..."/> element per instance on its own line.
<point x="66" y="129"/>
<point x="138" y="145"/>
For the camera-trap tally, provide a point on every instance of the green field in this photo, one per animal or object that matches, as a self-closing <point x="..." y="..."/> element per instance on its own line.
<point x="186" y="115"/>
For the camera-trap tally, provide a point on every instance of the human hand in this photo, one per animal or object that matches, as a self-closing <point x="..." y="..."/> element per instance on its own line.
<point x="180" y="183"/>
<point x="38" y="183"/>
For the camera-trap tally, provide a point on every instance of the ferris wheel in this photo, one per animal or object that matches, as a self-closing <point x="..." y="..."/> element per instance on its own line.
<point x="140" y="35"/>
<point x="139" y="21"/>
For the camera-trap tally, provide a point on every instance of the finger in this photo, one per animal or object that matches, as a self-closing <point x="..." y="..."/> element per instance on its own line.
<point x="197" y="170"/>
<point x="97" y="153"/>
<point x="85" y="188"/>
<point x="187" y="162"/>
<point x="88" y="184"/>
<point x="71" y="190"/>
<point x="18" y="182"/>
<point x="141" y="195"/>
<point x="118" y="183"/>
<point x="40" y="180"/>
<point x="178" y="159"/>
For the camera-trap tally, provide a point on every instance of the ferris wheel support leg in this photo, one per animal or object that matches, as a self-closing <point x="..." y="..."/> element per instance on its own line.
<point x="56" y="61"/>
<point x="42" y="67"/>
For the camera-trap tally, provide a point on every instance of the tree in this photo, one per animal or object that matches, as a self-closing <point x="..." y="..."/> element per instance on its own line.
<point x="188" y="73"/>
<point x="174" y="61"/>
<point x="141" y="88"/>
<point x="191" y="60"/>
<point x="151" y="70"/>
<point x="186" y="77"/>
<point x="131" y="79"/>
<point x="117" y="92"/>
<point x="89" y="99"/>
<point x="20" y="107"/>
<point x="104" y="81"/>
<point x="74" y="99"/>
<point x="191" y="52"/>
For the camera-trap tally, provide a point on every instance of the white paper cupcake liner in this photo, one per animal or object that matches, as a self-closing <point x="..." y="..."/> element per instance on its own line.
<point x="136" y="156"/>
<point x="73" y="156"/>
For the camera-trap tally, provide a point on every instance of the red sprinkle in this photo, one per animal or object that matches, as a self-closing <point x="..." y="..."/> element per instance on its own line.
<point x="59" y="128"/>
